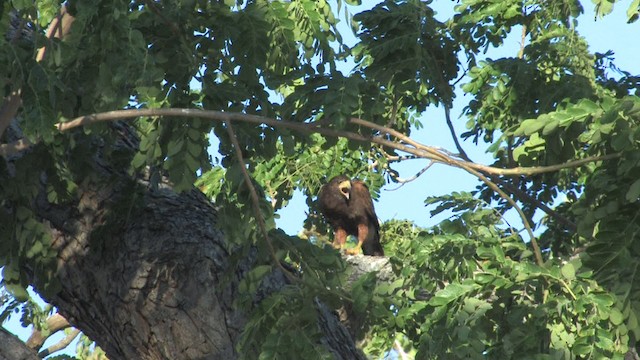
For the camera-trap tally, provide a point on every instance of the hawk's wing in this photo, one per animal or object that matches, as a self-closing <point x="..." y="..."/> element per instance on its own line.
<point x="362" y="209"/>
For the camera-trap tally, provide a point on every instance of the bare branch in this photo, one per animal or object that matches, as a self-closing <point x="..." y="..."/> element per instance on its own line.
<point x="414" y="177"/>
<point x="447" y="116"/>
<point x="14" y="147"/>
<point x="523" y="217"/>
<point x="61" y="344"/>
<point x="59" y="28"/>
<point x="54" y="323"/>
<point x="523" y="39"/>
<point x="417" y="149"/>
<point x="256" y="201"/>
<point x="405" y="144"/>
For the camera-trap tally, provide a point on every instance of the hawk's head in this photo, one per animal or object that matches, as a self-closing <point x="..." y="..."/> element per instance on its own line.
<point x="345" y="188"/>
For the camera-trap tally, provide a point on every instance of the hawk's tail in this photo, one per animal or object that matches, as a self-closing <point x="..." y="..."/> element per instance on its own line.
<point x="371" y="246"/>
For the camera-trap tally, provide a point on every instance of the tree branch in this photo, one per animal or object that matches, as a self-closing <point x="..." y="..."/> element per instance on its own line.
<point x="58" y="28"/>
<point x="398" y="348"/>
<point x="405" y="144"/>
<point x="11" y="348"/>
<point x="523" y="217"/>
<point x="447" y="116"/>
<point x="414" y="177"/>
<point x="418" y="149"/>
<point x="60" y="345"/>
<point x="54" y="323"/>
<point x="256" y="202"/>
<point x="523" y="196"/>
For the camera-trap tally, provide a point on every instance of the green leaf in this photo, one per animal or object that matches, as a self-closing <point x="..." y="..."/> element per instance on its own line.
<point x="18" y="291"/>
<point x="448" y="294"/>
<point x="616" y="316"/>
<point x="174" y="147"/>
<point x="530" y="126"/>
<point x="568" y="271"/>
<point x="634" y="191"/>
<point x="251" y="280"/>
<point x="550" y="127"/>
<point x="34" y="250"/>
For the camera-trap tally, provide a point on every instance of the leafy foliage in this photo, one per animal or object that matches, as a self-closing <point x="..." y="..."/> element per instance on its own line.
<point x="469" y="287"/>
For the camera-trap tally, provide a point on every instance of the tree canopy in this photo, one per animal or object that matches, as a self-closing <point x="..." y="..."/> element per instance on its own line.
<point x="110" y="107"/>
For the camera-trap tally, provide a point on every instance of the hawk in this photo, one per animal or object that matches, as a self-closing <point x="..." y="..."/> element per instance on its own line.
<point x="347" y="206"/>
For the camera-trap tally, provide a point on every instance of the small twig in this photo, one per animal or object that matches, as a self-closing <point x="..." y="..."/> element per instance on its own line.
<point x="255" y="199"/>
<point x="409" y="145"/>
<point x="394" y="114"/>
<point x="394" y="158"/>
<point x="523" y="38"/>
<point x="462" y="76"/>
<point x="523" y="217"/>
<point x="447" y="116"/>
<point x="398" y="347"/>
<point x="524" y="197"/>
<point x="414" y="177"/>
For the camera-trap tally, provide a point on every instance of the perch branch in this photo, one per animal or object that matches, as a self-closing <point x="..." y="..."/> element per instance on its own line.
<point x="415" y="148"/>
<point x="405" y="144"/>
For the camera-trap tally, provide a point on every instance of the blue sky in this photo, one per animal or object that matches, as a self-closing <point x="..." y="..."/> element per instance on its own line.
<point x="609" y="33"/>
<point x="407" y="202"/>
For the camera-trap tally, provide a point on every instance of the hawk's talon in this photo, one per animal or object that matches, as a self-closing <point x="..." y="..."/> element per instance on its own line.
<point x="353" y="251"/>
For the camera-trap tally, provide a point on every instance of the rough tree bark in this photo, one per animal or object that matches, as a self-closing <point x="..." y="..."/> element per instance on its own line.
<point x="147" y="284"/>
<point x="140" y="270"/>
<point x="11" y="348"/>
<point x="144" y="281"/>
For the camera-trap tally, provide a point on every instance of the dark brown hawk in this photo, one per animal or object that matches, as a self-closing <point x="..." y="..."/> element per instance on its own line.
<point x="347" y="207"/>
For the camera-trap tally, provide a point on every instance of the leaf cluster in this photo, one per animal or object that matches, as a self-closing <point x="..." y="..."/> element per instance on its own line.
<point x="469" y="289"/>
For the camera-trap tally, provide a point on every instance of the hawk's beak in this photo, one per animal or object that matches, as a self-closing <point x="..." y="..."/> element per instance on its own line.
<point x="345" y="188"/>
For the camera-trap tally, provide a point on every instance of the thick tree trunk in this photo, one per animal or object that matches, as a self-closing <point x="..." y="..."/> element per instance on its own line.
<point x="141" y="275"/>
<point x="11" y="348"/>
